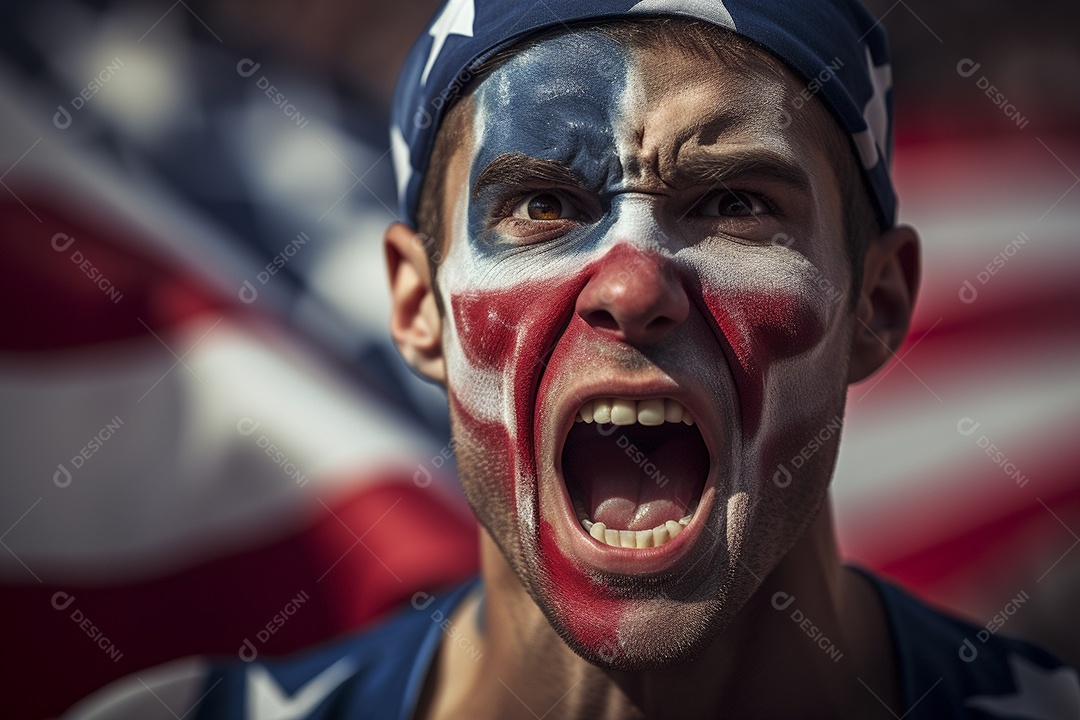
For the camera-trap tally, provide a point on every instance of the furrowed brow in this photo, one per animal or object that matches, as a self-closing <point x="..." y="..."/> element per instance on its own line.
<point x="716" y="167"/>
<point x="520" y="169"/>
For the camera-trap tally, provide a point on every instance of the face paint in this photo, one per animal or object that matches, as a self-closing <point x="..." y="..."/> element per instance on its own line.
<point x="758" y="359"/>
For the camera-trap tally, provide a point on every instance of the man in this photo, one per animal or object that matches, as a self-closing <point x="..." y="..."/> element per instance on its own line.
<point x="646" y="247"/>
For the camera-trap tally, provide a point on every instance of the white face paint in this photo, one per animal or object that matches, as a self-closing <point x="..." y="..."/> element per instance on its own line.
<point x="615" y="239"/>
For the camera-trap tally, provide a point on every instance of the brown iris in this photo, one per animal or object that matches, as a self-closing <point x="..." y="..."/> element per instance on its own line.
<point x="545" y="207"/>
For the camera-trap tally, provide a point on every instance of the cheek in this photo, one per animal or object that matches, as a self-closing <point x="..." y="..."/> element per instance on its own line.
<point x="485" y="450"/>
<point x="504" y="337"/>
<point x="762" y="328"/>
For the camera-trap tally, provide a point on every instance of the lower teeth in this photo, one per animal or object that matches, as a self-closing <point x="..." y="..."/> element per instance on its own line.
<point x="635" y="538"/>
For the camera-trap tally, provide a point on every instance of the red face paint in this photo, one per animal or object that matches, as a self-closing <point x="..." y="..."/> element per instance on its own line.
<point x="760" y="328"/>
<point x="589" y="611"/>
<point x="509" y="333"/>
<point x="507" y="336"/>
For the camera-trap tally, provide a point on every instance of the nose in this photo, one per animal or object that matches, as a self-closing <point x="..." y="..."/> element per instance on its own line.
<point x="634" y="296"/>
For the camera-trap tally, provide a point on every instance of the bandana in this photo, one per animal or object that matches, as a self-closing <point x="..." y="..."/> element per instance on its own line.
<point x="836" y="46"/>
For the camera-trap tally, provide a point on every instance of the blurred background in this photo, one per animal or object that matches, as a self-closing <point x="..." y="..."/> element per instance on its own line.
<point x="209" y="445"/>
<point x="958" y="473"/>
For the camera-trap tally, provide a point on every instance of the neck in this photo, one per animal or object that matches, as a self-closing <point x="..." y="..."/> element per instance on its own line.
<point x="813" y="629"/>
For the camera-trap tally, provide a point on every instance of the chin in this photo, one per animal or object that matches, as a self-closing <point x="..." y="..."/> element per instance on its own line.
<point x="654" y="632"/>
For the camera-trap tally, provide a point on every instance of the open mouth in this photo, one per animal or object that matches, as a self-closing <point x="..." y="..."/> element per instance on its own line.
<point x="634" y="469"/>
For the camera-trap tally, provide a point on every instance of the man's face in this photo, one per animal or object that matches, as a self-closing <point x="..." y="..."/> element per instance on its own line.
<point x="642" y="237"/>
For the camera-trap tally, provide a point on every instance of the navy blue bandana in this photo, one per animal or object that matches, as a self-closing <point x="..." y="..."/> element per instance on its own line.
<point x="837" y="47"/>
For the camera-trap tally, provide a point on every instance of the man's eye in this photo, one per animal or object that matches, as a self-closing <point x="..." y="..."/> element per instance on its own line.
<point x="732" y="203"/>
<point x="546" y="206"/>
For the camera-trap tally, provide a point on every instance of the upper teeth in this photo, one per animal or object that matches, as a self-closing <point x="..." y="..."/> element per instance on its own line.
<point x="620" y="411"/>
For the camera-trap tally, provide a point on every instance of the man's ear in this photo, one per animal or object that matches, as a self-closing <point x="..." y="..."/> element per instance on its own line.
<point x="415" y="321"/>
<point x="886" y="300"/>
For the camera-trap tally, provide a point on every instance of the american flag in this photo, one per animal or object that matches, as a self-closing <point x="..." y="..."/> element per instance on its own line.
<point x="191" y="469"/>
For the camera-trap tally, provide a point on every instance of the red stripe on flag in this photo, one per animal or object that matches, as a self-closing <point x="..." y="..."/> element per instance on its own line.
<point x="76" y="279"/>
<point x="409" y="540"/>
<point x="981" y="526"/>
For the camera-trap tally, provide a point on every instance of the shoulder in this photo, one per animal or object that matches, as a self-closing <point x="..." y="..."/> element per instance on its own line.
<point x="377" y="673"/>
<point x="952" y="668"/>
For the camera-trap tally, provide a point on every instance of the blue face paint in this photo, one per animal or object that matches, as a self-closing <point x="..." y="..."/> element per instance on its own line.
<point x="558" y="101"/>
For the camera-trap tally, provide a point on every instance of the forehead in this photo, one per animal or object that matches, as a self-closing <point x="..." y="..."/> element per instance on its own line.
<point x="584" y="95"/>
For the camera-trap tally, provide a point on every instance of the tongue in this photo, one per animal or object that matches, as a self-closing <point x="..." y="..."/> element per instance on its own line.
<point x="625" y="514"/>
<point x="628" y="487"/>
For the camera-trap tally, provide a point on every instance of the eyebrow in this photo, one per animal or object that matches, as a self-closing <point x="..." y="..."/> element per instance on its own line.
<point x="709" y="166"/>
<point x="517" y="168"/>
<point x="703" y="166"/>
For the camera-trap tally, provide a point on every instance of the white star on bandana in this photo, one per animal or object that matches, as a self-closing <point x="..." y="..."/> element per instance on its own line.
<point x="711" y="10"/>
<point x="399" y="154"/>
<point x="456" y="19"/>
<point x="873" y="141"/>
